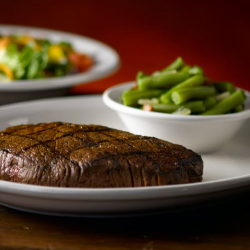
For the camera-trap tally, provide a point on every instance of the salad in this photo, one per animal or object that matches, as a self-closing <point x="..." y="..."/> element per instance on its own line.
<point x="185" y="90"/>
<point x="24" y="57"/>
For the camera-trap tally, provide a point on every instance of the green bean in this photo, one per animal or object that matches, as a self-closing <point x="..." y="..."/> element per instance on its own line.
<point x="227" y="104"/>
<point x="190" y="82"/>
<point x="165" y="108"/>
<point x="222" y="96"/>
<point x="183" y="95"/>
<point x="194" y="106"/>
<point x="140" y="75"/>
<point x="185" y="68"/>
<point x="176" y="65"/>
<point x="238" y="108"/>
<point x="181" y="87"/>
<point x="196" y="70"/>
<point x="209" y="102"/>
<point x="163" y="80"/>
<point x="224" y="87"/>
<point x="131" y="97"/>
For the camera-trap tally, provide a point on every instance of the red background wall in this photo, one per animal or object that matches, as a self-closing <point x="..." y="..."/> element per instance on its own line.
<point x="148" y="35"/>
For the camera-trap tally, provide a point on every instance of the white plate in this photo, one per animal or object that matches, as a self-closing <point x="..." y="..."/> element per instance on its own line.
<point x="106" y="58"/>
<point x="225" y="171"/>
<point x="188" y="130"/>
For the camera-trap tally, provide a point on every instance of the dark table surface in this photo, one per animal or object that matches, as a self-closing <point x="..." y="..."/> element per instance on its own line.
<point x="221" y="225"/>
<point x="148" y="35"/>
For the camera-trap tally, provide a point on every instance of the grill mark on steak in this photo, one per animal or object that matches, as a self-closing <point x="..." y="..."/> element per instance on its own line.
<point x="23" y="127"/>
<point x="141" y="177"/>
<point x="90" y="145"/>
<point x="117" y="139"/>
<point x="44" y="144"/>
<point x="130" y="173"/>
<point x="92" y="155"/>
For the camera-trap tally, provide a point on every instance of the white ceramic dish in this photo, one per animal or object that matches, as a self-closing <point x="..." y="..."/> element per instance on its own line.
<point x="199" y="133"/>
<point x="225" y="171"/>
<point x="106" y="62"/>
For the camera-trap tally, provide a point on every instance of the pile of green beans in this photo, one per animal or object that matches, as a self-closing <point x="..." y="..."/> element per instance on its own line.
<point x="183" y="89"/>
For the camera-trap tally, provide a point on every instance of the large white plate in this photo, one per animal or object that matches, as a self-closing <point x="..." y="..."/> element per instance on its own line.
<point x="106" y="59"/>
<point x="225" y="171"/>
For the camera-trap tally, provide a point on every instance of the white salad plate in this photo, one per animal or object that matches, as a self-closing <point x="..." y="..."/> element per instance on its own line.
<point x="226" y="172"/>
<point x="106" y="59"/>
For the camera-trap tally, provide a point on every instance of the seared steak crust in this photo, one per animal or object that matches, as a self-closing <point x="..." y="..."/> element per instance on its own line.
<point x="70" y="155"/>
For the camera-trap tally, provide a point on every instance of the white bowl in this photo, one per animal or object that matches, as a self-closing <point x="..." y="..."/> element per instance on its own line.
<point x="106" y="62"/>
<point x="201" y="134"/>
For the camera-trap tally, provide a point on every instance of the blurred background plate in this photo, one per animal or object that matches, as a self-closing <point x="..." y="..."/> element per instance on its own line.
<point x="106" y="62"/>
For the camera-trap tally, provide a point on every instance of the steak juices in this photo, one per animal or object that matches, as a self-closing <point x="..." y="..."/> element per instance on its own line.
<point x="69" y="155"/>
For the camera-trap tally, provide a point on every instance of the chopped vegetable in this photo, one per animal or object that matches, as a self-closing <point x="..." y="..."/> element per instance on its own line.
<point x="24" y="57"/>
<point x="7" y="71"/>
<point x="180" y="96"/>
<point x="190" y="82"/>
<point x="182" y="111"/>
<point x="227" y="104"/>
<point x="162" y="80"/>
<point x="209" y="102"/>
<point x="147" y="107"/>
<point x="176" y="65"/>
<point x="194" y="106"/>
<point x="222" y="96"/>
<point x="224" y="87"/>
<point x="131" y="97"/>
<point x="148" y="101"/>
<point x="184" y="90"/>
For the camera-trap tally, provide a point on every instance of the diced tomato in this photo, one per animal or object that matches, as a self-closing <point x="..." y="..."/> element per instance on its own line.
<point x="80" y="61"/>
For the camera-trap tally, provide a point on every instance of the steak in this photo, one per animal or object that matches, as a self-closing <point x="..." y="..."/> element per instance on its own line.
<point x="69" y="155"/>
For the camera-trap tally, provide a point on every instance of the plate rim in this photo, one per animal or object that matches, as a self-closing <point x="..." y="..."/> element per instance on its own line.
<point x="131" y="193"/>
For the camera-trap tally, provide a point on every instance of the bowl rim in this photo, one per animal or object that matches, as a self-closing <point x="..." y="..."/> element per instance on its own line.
<point x="119" y="107"/>
<point x="108" y="60"/>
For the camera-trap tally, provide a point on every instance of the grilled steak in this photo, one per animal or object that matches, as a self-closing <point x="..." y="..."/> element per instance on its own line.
<point x="69" y="155"/>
